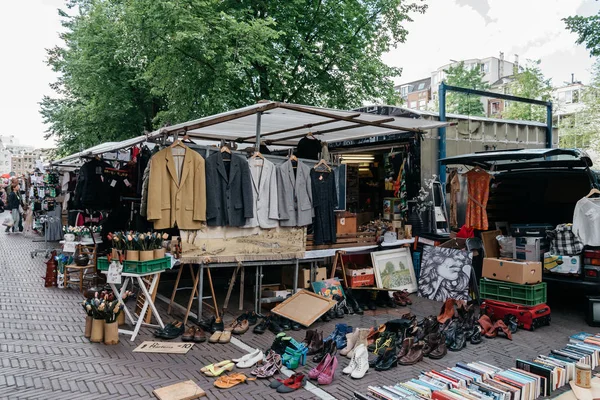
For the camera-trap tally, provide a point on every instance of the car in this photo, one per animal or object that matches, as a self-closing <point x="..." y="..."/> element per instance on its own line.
<point x="533" y="186"/>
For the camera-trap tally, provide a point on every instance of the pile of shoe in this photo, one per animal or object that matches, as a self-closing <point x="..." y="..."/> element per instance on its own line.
<point x="275" y="324"/>
<point x="492" y="329"/>
<point x="170" y="331"/>
<point x="401" y="298"/>
<point x="293" y="354"/>
<point x="459" y="324"/>
<point x="345" y="305"/>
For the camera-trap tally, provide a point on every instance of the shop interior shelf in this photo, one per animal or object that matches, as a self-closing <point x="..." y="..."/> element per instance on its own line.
<point x="137" y="267"/>
<point x="529" y="295"/>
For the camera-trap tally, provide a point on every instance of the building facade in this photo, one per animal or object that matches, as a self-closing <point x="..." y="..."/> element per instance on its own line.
<point x="416" y="95"/>
<point x="567" y="100"/>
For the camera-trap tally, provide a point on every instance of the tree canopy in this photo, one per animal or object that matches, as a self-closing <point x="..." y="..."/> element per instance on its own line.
<point x="469" y="78"/>
<point x="587" y="30"/>
<point x="529" y="83"/>
<point x="135" y="65"/>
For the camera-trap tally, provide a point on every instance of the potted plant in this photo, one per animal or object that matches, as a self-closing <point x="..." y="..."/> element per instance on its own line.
<point x="87" y="307"/>
<point x="146" y="250"/>
<point x="159" y="250"/>
<point x="132" y="253"/>
<point x="99" y="313"/>
<point x="111" y="326"/>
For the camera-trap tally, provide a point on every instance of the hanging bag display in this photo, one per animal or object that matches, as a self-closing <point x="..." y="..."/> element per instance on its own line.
<point x="564" y="242"/>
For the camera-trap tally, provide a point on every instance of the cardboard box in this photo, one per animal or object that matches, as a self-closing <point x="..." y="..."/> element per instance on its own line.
<point x="530" y="248"/>
<point x="360" y="277"/>
<point x="562" y="264"/>
<point x="274" y="291"/>
<point x="346" y="223"/>
<point x="515" y="271"/>
<point x="490" y="244"/>
<point x="287" y="277"/>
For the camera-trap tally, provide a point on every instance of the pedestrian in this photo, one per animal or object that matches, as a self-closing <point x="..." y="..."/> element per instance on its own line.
<point x="14" y="205"/>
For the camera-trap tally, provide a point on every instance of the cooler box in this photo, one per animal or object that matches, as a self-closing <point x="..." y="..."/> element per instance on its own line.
<point x="555" y="264"/>
<point x="530" y="248"/>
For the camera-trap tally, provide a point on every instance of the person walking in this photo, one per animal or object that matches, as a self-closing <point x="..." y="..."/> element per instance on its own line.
<point x="14" y="205"/>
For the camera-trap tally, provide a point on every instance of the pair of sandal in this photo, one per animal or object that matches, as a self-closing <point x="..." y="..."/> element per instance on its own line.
<point x="272" y="366"/>
<point x="231" y="380"/>
<point x="220" y="337"/>
<point x="218" y="368"/>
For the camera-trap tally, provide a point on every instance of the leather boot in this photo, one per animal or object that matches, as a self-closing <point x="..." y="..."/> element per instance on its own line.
<point x="388" y="359"/>
<point x="407" y="343"/>
<point x="447" y="311"/>
<point x="329" y="347"/>
<point x="449" y="332"/>
<point x="512" y="322"/>
<point x="316" y="343"/>
<point x="488" y="327"/>
<point x="501" y="326"/>
<point x="351" y="339"/>
<point x="438" y="346"/>
<point x="414" y="355"/>
<point x="374" y="334"/>
<point x="431" y="343"/>
<point x="308" y="338"/>
<point x="361" y="339"/>
<point x="460" y="340"/>
<point x="476" y="335"/>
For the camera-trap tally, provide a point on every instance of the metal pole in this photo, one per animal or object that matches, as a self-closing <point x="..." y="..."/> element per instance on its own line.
<point x="442" y="133"/>
<point x="258" y="122"/>
<point x="549" y="125"/>
<point x="200" y="289"/>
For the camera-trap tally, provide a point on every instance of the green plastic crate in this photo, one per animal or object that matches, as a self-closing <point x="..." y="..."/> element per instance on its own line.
<point x="138" y="267"/>
<point x="528" y="295"/>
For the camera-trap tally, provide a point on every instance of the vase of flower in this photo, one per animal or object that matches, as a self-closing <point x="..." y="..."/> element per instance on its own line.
<point x="132" y="255"/>
<point x="146" y="255"/>
<point x="159" y="253"/>
<point x="69" y="237"/>
<point x="111" y="333"/>
<point x="121" y="319"/>
<point x="97" y="335"/>
<point x="88" y="326"/>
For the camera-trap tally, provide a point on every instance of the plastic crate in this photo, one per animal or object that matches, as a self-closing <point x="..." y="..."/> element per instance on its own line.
<point x="529" y="295"/>
<point x="137" y="267"/>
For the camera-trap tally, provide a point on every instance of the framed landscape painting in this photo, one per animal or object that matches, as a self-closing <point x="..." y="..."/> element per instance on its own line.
<point x="394" y="270"/>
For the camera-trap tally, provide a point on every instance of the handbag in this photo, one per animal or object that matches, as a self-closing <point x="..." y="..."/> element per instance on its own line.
<point x="8" y="221"/>
<point x="564" y="242"/>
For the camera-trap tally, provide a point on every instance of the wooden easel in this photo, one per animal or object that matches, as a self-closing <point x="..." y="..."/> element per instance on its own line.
<point x="196" y="279"/>
<point x="241" y="270"/>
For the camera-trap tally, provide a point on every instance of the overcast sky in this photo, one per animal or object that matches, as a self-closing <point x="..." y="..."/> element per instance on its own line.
<point x="450" y="29"/>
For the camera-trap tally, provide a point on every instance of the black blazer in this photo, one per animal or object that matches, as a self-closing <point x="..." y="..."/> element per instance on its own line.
<point x="93" y="190"/>
<point x="229" y="199"/>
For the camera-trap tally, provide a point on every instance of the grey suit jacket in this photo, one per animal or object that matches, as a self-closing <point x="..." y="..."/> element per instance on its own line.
<point x="228" y="198"/>
<point x="264" y="186"/>
<point x="295" y="195"/>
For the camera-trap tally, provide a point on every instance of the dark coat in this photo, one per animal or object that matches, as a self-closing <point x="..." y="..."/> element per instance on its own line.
<point x="93" y="190"/>
<point x="229" y="199"/>
<point x="13" y="201"/>
<point x="325" y="201"/>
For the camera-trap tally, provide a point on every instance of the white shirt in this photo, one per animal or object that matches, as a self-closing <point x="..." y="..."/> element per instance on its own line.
<point x="586" y="221"/>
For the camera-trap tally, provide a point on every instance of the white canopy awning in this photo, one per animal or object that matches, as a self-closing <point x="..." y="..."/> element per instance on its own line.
<point x="280" y="124"/>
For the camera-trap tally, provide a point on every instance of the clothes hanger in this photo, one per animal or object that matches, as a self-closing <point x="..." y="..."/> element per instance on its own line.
<point x="310" y="135"/>
<point x="187" y="139"/>
<point x="322" y="163"/>
<point x="257" y="154"/>
<point x="593" y="192"/>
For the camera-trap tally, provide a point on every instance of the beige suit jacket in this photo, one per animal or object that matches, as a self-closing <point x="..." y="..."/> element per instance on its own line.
<point x="177" y="202"/>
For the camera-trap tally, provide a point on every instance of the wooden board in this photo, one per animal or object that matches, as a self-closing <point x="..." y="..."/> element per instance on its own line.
<point x="187" y="390"/>
<point x="141" y="298"/>
<point x="163" y="347"/>
<point x="304" y="307"/>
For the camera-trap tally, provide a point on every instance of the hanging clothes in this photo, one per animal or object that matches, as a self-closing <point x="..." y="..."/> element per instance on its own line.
<point x="586" y="221"/>
<point x="295" y="194"/>
<point x="92" y="189"/>
<point x="264" y="188"/>
<point x="478" y="182"/>
<point x="309" y="147"/>
<point x="177" y="196"/>
<point x="453" y="188"/>
<point x="325" y="201"/>
<point x="229" y="198"/>
<point x="402" y="195"/>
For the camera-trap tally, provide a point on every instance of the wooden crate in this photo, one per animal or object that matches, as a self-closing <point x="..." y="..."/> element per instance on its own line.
<point x="346" y="223"/>
<point x="343" y="240"/>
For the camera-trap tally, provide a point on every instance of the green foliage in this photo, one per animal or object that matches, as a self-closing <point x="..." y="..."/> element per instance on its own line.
<point x="587" y="30"/>
<point x="470" y="78"/>
<point x="135" y="65"/>
<point x="582" y="130"/>
<point x="529" y="83"/>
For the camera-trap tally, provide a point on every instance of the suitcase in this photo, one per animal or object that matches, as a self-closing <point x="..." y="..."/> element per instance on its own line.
<point x="529" y="317"/>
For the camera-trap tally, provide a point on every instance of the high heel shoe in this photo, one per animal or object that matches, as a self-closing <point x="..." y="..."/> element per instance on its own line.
<point x="272" y="366"/>
<point x="316" y="371"/>
<point x="328" y="373"/>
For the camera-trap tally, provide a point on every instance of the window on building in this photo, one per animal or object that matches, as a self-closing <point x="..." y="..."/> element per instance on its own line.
<point x="404" y="90"/>
<point x="485" y="67"/>
<point x="561" y="97"/>
<point x="568" y="97"/>
<point x="575" y="96"/>
<point x="412" y="104"/>
<point x="421" y="86"/>
<point x="495" y="107"/>
<point x="422" y="104"/>
<point x="434" y="81"/>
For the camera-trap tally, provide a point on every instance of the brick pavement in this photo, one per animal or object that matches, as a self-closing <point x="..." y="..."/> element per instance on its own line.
<point x="43" y="354"/>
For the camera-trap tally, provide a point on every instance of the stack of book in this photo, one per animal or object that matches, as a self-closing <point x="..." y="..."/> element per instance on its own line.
<point x="481" y="381"/>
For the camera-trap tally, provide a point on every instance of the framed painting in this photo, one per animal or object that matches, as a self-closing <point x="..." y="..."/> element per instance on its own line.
<point x="394" y="270"/>
<point x="445" y="274"/>
<point x="328" y="288"/>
